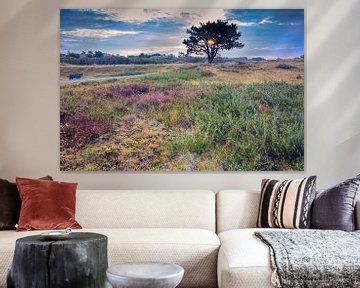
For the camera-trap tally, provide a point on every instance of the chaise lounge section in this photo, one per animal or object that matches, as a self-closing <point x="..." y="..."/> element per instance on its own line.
<point x="244" y="260"/>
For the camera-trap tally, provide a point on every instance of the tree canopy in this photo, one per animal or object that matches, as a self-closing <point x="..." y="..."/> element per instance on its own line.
<point x="211" y="37"/>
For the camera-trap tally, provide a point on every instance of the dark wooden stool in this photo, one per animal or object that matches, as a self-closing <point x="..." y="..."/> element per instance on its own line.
<point x="78" y="261"/>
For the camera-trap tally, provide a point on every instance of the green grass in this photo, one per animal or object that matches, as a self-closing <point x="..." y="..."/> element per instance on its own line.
<point x="190" y="123"/>
<point x="189" y="141"/>
<point x="178" y="77"/>
<point x="228" y="123"/>
<point x="119" y="74"/>
<point x="102" y="110"/>
<point x="180" y="74"/>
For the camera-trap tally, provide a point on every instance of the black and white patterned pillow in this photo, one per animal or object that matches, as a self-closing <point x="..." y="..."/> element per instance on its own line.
<point x="286" y="204"/>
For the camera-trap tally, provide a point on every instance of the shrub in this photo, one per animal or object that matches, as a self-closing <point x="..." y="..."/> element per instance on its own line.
<point x="285" y="66"/>
<point x="129" y="90"/>
<point x="77" y="131"/>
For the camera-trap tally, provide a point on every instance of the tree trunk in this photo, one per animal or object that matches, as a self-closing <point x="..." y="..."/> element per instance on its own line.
<point x="210" y="59"/>
<point x="79" y="261"/>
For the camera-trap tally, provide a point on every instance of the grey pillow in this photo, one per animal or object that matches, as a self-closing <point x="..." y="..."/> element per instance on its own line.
<point x="334" y="208"/>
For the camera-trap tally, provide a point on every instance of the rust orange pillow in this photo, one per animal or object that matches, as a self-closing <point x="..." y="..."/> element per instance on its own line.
<point x="10" y="204"/>
<point x="46" y="204"/>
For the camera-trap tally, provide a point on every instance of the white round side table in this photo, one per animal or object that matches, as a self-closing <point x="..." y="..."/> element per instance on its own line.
<point x="145" y="275"/>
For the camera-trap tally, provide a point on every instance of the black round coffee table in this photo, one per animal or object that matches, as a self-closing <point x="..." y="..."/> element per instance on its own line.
<point x="78" y="261"/>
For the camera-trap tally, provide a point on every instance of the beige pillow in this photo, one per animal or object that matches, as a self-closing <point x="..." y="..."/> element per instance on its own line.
<point x="286" y="204"/>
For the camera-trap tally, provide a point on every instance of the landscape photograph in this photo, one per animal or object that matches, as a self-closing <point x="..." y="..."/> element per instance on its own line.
<point x="181" y="89"/>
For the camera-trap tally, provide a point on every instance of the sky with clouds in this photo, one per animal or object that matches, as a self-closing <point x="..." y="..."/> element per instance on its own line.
<point x="268" y="33"/>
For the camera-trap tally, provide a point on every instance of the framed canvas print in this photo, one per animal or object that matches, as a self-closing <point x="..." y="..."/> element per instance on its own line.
<point x="181" y="89"/>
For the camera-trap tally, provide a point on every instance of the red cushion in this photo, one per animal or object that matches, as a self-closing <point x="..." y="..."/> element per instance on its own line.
<point x="46" y="204"/>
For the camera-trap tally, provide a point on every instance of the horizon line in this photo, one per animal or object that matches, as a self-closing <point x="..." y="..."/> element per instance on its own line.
<point x="177" y="56"/>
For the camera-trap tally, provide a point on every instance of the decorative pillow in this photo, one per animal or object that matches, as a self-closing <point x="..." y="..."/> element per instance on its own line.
<point x="10" y="203"/>
<point x="46" y="204"/>
<point x="334" y="208"/>
<point x="286" y="204"/>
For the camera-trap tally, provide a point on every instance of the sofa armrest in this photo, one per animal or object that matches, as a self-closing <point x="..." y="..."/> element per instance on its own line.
<point x="357" y="215"/>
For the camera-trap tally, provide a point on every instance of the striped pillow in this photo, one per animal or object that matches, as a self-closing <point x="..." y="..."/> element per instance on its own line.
<point x="286" y="204"/>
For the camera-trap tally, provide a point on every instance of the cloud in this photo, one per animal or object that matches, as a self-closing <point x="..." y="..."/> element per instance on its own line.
<point x="151" y="50"/>
<point x="186" y="16"/>
<point x="69" y="40"/>
<point x="243" y="24"/>
<point x="260" y="48"/>
<point x="286" y="47"/>
<point x="266" y="21"/>
<point x="134" y="15"/>
<point x="286" y="23"/>
<point x="98" y="33"/>
<point x="252" y="23"/>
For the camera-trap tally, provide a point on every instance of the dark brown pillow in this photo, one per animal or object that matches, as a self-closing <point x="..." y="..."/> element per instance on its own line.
<point x="10" y="204"/>
<point x="334" y="208"/>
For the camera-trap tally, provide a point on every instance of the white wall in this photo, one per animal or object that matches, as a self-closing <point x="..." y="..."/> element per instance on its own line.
<point x="29" y="94"/>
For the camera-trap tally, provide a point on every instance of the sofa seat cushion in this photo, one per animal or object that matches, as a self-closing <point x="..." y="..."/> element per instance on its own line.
<point x="194" y="249"/>
<point x="244" y="261"/>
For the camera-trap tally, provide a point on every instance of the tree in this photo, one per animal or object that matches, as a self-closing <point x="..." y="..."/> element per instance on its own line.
<point x="211" y="37"/>
<point x="73" y="55"/>
<point x="98" y="54"/>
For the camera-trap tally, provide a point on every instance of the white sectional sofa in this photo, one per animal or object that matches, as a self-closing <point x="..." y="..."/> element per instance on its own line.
<point x="177" y="226"/>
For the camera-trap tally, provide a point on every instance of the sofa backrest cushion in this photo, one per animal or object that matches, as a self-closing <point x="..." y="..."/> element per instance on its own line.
<point x="236" y="209"/>
<point x="146" y="209"/>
